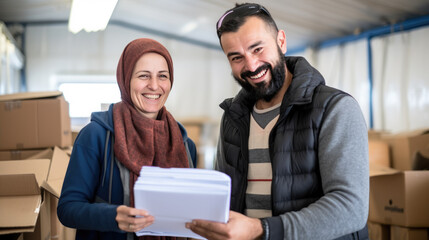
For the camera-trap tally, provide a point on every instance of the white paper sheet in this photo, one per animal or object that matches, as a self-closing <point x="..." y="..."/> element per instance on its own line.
<point x="175" y="196"/>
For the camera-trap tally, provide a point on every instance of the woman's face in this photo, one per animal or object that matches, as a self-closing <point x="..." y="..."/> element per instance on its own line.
<point x="150" y="84"/>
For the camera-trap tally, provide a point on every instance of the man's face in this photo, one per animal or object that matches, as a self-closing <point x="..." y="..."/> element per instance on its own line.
<point x="256" y="58"/>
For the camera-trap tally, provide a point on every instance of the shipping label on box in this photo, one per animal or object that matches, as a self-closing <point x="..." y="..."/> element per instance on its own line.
<point x="400" y="198"/>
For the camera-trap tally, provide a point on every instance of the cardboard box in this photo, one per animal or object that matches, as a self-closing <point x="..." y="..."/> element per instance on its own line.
<point x="404" y="147"/>
<point x="20" y="202"/>
<point x="399" y="197"/>
<point x="42" y="230"/>
<point x="378" y="231"/>
<point x="46" y="173"/>
<point x="34" y="120"/>
<point x="54" y="185"/>
<point x="20" y="195"/>
<point x="402" y="233"/>
<point x="57" y="172"/>
<point x="59" y="231"/>
<point x="379" y="152"/>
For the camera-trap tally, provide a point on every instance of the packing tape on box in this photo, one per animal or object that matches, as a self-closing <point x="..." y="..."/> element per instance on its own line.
<point x="37" y="210"/>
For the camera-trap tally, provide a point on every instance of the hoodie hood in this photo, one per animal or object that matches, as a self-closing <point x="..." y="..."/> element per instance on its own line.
<point x="105" y="118"/>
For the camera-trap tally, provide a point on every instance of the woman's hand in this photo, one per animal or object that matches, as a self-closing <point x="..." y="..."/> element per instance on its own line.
<point x="132" y="219"/>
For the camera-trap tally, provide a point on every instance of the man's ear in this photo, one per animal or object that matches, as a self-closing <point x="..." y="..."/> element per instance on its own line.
<point x="281" y="41"/>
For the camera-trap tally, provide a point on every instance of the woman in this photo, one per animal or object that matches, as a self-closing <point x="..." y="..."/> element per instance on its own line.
<point x="97" y="194"/>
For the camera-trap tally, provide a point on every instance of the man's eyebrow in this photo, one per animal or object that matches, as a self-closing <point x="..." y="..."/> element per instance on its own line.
<point x="232" y="53"/>
<point x="249" y="48"/>
<point x="254" y="45"/>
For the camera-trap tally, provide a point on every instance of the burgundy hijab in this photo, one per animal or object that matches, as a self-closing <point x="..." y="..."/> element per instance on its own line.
<point x="141" y="141"/>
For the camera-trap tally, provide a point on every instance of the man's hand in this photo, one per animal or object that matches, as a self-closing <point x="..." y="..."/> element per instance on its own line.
<point x="238" y="227"/>
<point x="132" y="219"/>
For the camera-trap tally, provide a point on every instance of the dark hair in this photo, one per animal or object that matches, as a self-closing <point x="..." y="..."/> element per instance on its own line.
<point x="235" y="17"/>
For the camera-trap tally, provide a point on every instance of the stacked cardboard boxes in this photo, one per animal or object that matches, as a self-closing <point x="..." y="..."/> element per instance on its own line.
<point x="399" y="196"/>
<point x="34" y="130"/>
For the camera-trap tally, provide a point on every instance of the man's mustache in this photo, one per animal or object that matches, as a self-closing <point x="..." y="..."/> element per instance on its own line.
<point x="246" y="74"/>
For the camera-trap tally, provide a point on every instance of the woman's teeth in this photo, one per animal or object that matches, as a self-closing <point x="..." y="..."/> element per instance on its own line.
<point x="151" y="96"/>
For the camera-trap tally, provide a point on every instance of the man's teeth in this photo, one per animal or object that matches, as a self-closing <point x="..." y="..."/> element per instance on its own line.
<point x="259" y="75"/>
<point x="152" y="96"/>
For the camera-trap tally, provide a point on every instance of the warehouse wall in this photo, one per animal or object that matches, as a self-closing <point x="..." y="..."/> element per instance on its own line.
<point x="394" y="98"/>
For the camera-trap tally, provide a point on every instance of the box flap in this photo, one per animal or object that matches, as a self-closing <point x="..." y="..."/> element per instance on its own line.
<point x="378" y="170"/>
<point x="19" y="211"/>
<point x="17" y="230"/>
<point x="40" y="167"/>
<point x="20" y="202"/>
<point x="18" y="185"/>
<point x="57" y="172"/>
<point x="29" y="95"/>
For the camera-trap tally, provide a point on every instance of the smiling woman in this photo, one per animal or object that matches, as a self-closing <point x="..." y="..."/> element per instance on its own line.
<point x="110" y="151"/>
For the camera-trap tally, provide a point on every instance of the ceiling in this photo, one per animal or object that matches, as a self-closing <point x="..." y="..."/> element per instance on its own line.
<point x="306" y="22"/>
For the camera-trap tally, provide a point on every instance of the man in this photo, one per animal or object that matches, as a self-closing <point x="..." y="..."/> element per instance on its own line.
<point x="295" y="149"/>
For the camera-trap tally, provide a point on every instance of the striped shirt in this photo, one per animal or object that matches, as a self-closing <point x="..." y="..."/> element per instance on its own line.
<point x="258" y="193"/>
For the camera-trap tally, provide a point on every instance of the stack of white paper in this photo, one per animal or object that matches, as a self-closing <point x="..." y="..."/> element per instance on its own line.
<point x="175" y="196"/>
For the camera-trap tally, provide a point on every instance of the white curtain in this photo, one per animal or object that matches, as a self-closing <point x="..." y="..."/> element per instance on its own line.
<point x="401" y="81"/>
<point x="346" y="67"/>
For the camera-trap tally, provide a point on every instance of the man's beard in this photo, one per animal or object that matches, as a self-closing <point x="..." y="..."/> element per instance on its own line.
<point x="263" y="90"/>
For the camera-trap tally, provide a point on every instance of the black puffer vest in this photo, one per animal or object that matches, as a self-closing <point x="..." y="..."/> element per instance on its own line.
<point x="293" y="142"/>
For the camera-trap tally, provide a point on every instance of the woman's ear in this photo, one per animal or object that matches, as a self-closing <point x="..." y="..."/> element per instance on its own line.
<point x="281" y="41"/>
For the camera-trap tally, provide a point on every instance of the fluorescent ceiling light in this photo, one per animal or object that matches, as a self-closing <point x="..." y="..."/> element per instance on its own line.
<point x="90" y="15"/>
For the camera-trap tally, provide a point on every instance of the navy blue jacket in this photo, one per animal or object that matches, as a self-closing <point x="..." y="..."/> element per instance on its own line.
<point x="92" y="188"/>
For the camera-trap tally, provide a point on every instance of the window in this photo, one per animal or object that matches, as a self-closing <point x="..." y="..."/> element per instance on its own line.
<point x="87" y="94"/>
